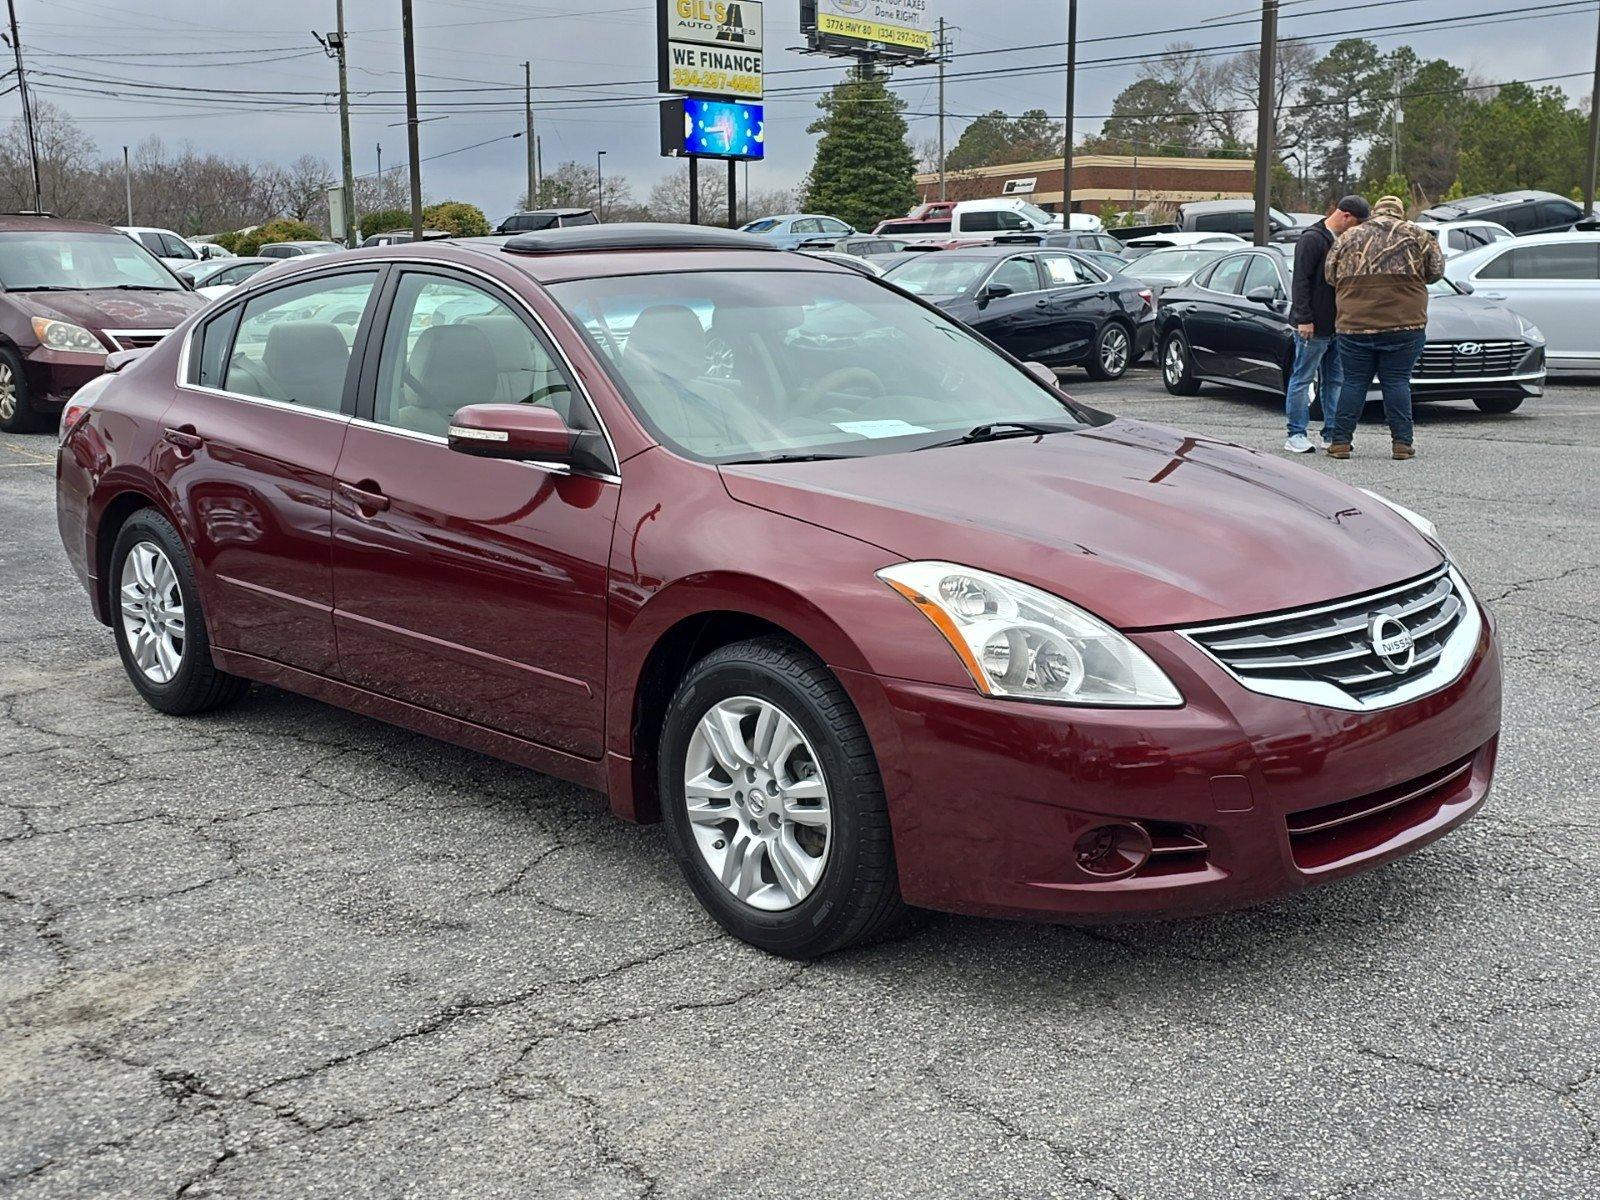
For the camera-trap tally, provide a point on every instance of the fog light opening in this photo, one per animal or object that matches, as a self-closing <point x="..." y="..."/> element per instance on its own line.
<point x="1112" y="851"/>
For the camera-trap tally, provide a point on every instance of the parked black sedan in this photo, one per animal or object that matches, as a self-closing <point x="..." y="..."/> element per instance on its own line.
<point x="1229" y="324"/>
<point x="1048" y="306"/>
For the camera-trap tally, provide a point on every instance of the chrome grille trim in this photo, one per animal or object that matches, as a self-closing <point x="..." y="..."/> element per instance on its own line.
<point x="1442" y="360"/>
<point x="1324" y="654"/>
<point x="136" y="339"/>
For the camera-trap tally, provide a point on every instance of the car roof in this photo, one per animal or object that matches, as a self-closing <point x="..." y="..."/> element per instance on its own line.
<point x="28" y="223"/>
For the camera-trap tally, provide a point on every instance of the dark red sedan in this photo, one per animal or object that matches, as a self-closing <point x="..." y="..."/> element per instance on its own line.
<point x="866" y="611"/>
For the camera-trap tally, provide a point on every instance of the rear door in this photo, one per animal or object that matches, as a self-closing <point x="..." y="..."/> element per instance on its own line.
<point x="472" y="587"/>
<point x="252" y="438"/>
<point x="1079" y="303"/>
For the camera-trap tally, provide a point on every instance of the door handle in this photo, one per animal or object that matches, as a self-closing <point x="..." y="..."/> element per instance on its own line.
<point x="1493" y="295"/>
<point x="368" y="499"/>
<point x="184" y="438"/>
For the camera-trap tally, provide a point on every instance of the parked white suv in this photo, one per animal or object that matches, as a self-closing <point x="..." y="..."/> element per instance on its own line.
<point x="1457" y="237"/>
<point x="163" y="243"/>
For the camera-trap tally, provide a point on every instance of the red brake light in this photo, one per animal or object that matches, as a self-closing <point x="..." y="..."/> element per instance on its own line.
<point x="1148" y="297"/>
<point x="72" y="416"/>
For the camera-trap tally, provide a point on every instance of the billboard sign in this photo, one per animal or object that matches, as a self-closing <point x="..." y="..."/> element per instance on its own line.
<point x="881" y="28"/>
<point x="710" y="47"/>
<point x="696" y="128"/>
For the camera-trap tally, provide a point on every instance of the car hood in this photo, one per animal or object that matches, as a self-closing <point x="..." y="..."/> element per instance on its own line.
<point x="110" y="309"/>
<point x="1142" y="525"/>
<point x="1467" y="318"/>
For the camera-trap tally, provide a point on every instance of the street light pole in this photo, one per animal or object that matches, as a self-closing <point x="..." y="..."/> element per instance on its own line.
<point x="333" y="47"/>
<point x="599" y="185"/>
<point x="1066" y="129"/>
<point x="527" y="117"/>
<point x="1264" y="114"/>
<point x="411" y="119"/>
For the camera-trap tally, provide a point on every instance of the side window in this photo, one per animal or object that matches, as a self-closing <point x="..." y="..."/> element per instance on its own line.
<point x="829" y="225"/>
<point x="1561" y="260"/>
<point x="176" y="247"/>
<point x="1006" y="219"/>
<point x="1060" y="271"/>
<point x="806" y="225"/>
<point x="1498" y="268"/>
<point x="582" y="219"/>
<point x="1229" y="274"/>
<point x="1520" y="218"/>
<point x="1459" y="239"/>
<point x="980" y="222"/>
<point x="1261" y="273"/>
<point x="1554" y="214"/>
<point x="1018" y="274"/>
<point x="209" y="366"/>
<point x="293" y="344"/>
<point x="449" y="344"/>
<point x="152" y="243"/>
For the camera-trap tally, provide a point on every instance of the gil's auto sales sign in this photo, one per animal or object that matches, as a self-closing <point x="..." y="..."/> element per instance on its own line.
<point x="710" y="47"/>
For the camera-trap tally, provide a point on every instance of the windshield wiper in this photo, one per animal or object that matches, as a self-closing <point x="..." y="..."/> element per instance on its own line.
<point x="135" y="287"/>
<point x="995" y="431"/>
<point x="44" y="287"/>
<point x="764" y="459"/>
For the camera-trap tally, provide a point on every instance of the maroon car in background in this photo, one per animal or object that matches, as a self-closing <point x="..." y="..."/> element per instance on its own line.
<point x="868" y="612"/>
<point x="72" y="292"/>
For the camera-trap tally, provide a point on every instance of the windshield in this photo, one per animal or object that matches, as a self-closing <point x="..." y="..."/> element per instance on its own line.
<point x="1035" y="214"/>
<point x="760" y="226"/>
<point x="730" y="366"/>
<point x="1443" y="287"/>
<point x="939" y="276"/>
<point x="1169" y="264"/>
<point x="79" y="261"/>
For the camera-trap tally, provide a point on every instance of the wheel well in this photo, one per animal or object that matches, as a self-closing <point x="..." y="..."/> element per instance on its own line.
<point x="112" y="520"/>
<point x="669" y="660"/>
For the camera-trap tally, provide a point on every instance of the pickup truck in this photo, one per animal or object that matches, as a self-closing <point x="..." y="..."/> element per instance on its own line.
<point x="977" y="218"/>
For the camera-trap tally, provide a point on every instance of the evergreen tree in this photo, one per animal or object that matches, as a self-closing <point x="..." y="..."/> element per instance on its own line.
<point x="864" y="164"/>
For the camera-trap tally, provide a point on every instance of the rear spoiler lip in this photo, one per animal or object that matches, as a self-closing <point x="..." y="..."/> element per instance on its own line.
<point x="118" y="359"/>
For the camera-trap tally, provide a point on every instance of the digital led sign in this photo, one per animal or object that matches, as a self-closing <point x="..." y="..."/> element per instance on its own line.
<point x="696" y="128"/>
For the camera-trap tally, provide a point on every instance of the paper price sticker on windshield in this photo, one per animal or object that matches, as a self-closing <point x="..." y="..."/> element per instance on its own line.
<point x="880" y="429"/>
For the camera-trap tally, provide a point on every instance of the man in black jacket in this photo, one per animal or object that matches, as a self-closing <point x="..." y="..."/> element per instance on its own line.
<point x="1312" y="314"/>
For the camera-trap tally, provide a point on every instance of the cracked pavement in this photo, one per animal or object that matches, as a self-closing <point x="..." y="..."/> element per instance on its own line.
<point x="287" y="951"/>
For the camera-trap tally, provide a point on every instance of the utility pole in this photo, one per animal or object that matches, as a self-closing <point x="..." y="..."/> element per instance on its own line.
<point x="694" y="190"/>
<point x="1594" y="136"/>
<point x="127" y="183"/>
<point x="1394" y="124"/>
<point x="942" y="57"/>
<point x="1066" y="129"/>
<point x="733" y="193"/>
<point x="527" y="133"/>
<point x="411" y="120"/>
<point x="600" y="185"/>
<point x="333" y="47"/>
<point x="1264" y="105"/>
<point x="27" y="110"/>
<point x="380" y="168"/>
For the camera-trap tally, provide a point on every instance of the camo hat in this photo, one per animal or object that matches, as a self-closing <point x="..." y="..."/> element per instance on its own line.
<point x="1390" y="206"/>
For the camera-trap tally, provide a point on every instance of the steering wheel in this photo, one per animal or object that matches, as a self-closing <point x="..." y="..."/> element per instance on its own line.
<point x="845" y="377"/>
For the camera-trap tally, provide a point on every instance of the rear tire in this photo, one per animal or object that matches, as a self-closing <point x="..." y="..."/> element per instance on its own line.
<point x="850" y="891"/>
<point x="1111" y="353"/>
<point x="1177" y="368"/>
<point x="1499" y="406"/>
<point x="158" y="622"/>
<point x="17" y="413"/>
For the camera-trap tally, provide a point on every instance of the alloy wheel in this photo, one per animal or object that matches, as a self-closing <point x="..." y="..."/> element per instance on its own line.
<point x="8" y="392"/>
<point x="152" y="612"/>
<point x="1172" y="361"/>
<point x="1114" y="351"/>
<point x="758" y="803"/>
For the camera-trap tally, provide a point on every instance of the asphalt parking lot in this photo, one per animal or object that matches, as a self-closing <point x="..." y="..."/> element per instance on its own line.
<point x="285" y="951"/>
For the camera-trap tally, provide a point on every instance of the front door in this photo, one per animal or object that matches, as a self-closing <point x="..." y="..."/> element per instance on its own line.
<point x="473" y="587"/>
<point x="1264" y="340"/>
<point x="1213" y="323"/>
<point x="1018" y="322"/>
<point x="252" y="436"/>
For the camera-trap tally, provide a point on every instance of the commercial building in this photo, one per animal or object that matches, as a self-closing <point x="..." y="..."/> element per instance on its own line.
<point x="1126" y="181"/>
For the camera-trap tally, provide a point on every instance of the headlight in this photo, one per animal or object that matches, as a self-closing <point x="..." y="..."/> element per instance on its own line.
<point x="1024" y="644"/>
<point x="1416" y="520"/>
<point x="1529" y="330"/>
<point x="62" y="335"/>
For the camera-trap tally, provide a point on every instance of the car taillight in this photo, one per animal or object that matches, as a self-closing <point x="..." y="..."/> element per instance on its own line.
<point x="1148" y="297"/>
<point x="82" y="401"/>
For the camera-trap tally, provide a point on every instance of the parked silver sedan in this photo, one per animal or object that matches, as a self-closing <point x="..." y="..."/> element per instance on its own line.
<point x="1553" y="281"/>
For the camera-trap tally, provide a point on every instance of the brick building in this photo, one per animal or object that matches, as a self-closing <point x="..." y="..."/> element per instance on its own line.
<point x="1120" y="179"/>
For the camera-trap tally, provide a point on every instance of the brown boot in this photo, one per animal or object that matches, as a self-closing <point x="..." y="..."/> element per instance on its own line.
<point x="1403" y="450"/>
<point x="1339" y="450"/>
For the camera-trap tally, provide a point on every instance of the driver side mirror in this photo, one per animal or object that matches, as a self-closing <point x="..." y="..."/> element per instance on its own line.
<point x="1464" y="286"/>
<point x="1264" y="294"/>
<point x="522" y="433"/>
<point x="994" y="291"/>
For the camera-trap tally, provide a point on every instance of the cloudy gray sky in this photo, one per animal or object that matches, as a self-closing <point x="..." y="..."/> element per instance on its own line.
<point x="262" y="75"/>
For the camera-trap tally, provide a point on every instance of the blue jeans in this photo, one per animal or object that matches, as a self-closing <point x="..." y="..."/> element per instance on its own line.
<point x="1314" y="357"/>
<point x="1389" y="356"/>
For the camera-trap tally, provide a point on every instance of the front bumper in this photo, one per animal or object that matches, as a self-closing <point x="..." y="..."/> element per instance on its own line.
<point x="1508" y="387"/>
<point x="54" y="375"/>
<point x="1247" y="797"/>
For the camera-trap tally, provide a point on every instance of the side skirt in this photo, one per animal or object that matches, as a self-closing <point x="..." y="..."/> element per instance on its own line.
<point x="573" y="769"/>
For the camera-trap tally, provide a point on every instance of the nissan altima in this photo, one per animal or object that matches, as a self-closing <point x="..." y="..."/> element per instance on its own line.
<point x="868" y="622"/>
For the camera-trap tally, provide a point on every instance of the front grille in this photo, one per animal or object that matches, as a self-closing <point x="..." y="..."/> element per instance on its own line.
<point x="1335" y="647"/>
<point x="1448" y="360"/>
<point x="1321" y="837"/>
<point x="136" y="339"/>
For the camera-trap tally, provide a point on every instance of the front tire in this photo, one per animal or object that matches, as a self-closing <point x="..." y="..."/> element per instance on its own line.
<point x="1503" y="405"/>
<point x="159" y="625"/>
<point x="773" y="802"/>
<point x="1111" y="353"/>
<point x="17" y="413"/>
<point x="1177" y="368"/>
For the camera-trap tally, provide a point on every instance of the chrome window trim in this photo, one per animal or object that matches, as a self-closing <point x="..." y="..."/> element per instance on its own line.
<point x="1441" y="673"/>
<point x="244" y="293"/>
<point x="417" y="435"/>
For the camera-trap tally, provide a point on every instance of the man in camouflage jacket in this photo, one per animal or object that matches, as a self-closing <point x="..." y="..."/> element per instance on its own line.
<point x="1381" y="271"/>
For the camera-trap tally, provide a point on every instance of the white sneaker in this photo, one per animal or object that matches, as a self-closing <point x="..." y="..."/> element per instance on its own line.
<point x="1299" y="444"/>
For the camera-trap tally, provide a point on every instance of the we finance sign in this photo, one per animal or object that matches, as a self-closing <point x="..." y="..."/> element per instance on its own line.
<point x="710" y="47"/>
